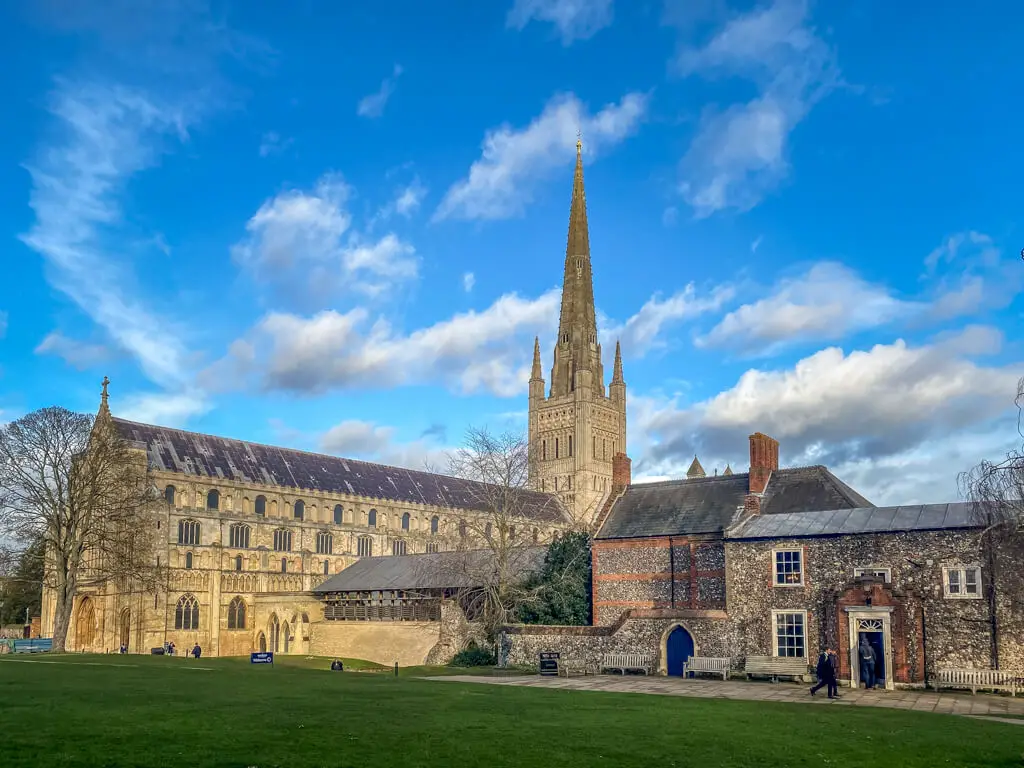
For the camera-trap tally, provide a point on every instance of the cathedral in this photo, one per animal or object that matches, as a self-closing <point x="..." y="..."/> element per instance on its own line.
<point x="274" y="549"/>
<point x="253" y="531"/>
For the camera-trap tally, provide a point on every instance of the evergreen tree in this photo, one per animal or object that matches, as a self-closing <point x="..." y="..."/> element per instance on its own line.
<point x="562" y="588"/>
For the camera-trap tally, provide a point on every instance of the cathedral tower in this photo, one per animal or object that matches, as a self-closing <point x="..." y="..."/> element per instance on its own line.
<point x="578" y="427"/>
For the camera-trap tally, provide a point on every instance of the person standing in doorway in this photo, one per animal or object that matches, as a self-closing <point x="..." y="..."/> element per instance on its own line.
<point x="868" y="659"/>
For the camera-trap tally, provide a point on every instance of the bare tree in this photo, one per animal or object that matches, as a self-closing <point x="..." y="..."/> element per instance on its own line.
<point x="995" y="490"/>
<point x="497" y="546"/>
<point x="80" y="488"/>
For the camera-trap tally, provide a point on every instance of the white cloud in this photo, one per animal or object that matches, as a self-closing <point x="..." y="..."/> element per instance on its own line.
<point x="756" y="244"/>
<point x="166" y="409"/>
<point x="486" y="351"/>
<point x="373" y="105"/>
<point x="272" y="143"/>
<point x="302" y="242"/>
<point x="500" y="183"/>
<point x="640" y="333"/>
<point x="574" y="19"/>
<point x="840" y="409"/>
<point x="827" y="302"/>
<point x="968" y="275"/>
<point x="739" y="154"/>
<point x="370" y="442"/>
<point x="78" y="354"/>
<point x="409" y="198"/>
<point x="108" y="134"/>
<point x="468" y="281"/>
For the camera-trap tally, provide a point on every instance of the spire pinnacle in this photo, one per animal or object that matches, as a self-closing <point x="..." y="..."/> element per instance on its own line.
<point x="536" y="373"/>
<point x="576" y="348"/>
<point x="695" y="470"/>
<point x="617" y="370"/>
<point x="104" y="395"/>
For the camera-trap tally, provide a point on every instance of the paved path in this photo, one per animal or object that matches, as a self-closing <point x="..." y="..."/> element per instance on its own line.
<point x="981" y="706"/>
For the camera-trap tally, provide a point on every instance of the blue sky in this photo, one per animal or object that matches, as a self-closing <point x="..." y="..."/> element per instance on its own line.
<point x="335" y="227"/>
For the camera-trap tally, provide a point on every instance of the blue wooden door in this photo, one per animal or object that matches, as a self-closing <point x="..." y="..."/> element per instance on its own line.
<point x="680" y="648"/>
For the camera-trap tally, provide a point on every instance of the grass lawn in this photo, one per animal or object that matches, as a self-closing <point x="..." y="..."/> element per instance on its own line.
<point x="156" y="711"/>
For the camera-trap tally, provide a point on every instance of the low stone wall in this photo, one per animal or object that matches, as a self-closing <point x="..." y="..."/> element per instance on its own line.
<point x="637" y="631"/>
<point x="385" y="642"/>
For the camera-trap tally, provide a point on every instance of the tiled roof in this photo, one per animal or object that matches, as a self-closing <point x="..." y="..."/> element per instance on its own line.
<point x="838" y="522"/>
<point x="439" y="570"/>
<point x="207" y="456"/>
<point x="709" y="505"/>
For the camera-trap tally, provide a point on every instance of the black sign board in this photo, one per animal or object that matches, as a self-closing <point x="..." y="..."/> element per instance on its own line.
<point x="549" y="663"/>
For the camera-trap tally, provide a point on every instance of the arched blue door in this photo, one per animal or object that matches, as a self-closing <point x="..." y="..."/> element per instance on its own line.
<point x="679" y="649"/>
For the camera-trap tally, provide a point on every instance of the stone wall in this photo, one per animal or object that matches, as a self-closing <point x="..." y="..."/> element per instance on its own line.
<point x="385" y="642"/>
<point x="657" y="573"/>
<point x="636" y="631"/>
<point x="949" y="633"/>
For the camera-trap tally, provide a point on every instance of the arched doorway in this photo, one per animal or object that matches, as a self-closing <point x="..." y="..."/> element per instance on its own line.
<point x="261" y="643"/>
<point x="274" y="630"/>
<point x="85" y="625"/>
<point x="678" y="650"/>
<point x="284" y="631"/>
<point x="125" y="633"/>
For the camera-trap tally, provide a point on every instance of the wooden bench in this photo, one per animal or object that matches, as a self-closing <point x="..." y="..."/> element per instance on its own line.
<point x="627" y="662"/>
<point x="713" y="665"/>
<point x="35" y="645"/>
<point x="570" y="668"/>
<point x="990" y="679"/>
<point x="776" y="666"/>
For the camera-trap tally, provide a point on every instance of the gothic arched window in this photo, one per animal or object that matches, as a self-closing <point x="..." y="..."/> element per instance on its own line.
<point x="188" y="560"/>
<point x="364" y="546"/>
<point x="339" y="514"/>
<point x="261" y="506"/>
<point x="405" y="521"/>
<point x="299" y="510"/>
<point x="282" y="540"/>
<point x="189" y="532"/>
<point x="186" y="613"/>
<point x="213" y="500"/>
<point x="169" y="494"/>
<point x="236" y="613"/>
<point x="238" y="535"/>
<point x="238" y="562"/>
<point x="435" y="523"/>
<point x="371" y="518"/>
<point x="324" y="543"/>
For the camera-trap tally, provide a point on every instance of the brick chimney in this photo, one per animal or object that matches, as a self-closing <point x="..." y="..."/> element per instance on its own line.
<point x="622" y="473"/>
<point x="621" y="478"/>
<point x="764" y="459"/>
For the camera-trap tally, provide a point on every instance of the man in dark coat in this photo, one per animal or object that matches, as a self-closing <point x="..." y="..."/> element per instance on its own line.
<point x="868" y="659"/>
<point x="827" y="674"/>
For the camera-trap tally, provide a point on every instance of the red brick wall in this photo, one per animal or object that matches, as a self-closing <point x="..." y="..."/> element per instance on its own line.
<point x="903" y="617"/>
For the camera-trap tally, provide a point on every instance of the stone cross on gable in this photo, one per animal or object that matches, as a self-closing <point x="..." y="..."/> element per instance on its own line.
<point x="105" y="383"/>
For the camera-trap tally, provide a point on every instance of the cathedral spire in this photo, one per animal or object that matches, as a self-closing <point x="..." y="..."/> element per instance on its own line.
<point x="617" y="370"/>
<point x="576" y="348"/>
<point x="536" y="373"/>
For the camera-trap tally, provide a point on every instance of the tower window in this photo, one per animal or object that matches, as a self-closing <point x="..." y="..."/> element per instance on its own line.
<point x="544" y="450"/>
<point x="570" y="445"/>
<point x="556" y="447"/>
<point x="565" y="338"/>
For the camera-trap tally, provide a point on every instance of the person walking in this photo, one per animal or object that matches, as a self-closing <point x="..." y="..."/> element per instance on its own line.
<point x="866" y="655"/>
<point x="826" y="670"/>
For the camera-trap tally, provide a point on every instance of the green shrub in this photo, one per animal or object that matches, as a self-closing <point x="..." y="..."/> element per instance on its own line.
<point x="474" y="656"/>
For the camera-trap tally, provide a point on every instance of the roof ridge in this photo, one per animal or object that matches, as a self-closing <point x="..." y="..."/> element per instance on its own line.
<point x="688" y="480"/>
<point x="268" y="446"/>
